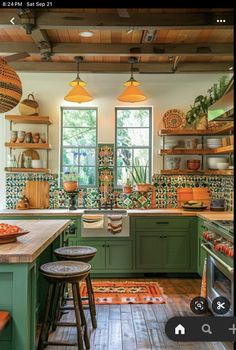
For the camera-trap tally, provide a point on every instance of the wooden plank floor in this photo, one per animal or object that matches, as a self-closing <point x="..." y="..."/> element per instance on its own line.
<point x="140" y="326"/>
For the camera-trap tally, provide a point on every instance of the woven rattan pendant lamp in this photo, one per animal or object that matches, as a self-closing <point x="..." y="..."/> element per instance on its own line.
<point x="132" y="93"/>
<point x="78" y="93"/>
<point x="10" y="87"/>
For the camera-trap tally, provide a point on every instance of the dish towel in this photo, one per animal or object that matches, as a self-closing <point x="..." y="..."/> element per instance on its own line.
<point x="93" y="221"/>
<point x="114" y="223"/>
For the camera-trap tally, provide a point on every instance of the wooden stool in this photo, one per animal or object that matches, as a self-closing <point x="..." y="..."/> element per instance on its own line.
<point x="83" y="254"/>
<point x="4" y="319"/>
<point x="58" y="273"/>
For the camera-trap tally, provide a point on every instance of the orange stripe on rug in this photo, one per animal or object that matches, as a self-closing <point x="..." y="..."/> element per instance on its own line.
<point x="125" y="292"/>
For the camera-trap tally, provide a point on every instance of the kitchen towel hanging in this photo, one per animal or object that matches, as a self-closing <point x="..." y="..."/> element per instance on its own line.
<point x="114" y="223"/>
<point x="93" y="221"/>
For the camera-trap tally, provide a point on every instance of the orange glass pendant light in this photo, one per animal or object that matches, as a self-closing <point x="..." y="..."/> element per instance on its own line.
<point x="78" y="93"/>
<point x="132" y="93"/>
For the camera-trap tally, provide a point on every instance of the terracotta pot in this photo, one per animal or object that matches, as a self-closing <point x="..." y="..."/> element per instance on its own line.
<point x="127" y="189"/>
<point x="193" y="164"/>
<point x="70" y="186"/>
<point x="142" y="187"/>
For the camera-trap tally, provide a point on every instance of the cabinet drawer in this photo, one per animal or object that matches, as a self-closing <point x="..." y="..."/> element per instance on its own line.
<point x="162" y="223"/>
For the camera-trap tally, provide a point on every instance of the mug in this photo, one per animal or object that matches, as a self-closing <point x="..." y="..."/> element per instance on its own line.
<point x="13" y="135"/>
<point x="21" y="136"/>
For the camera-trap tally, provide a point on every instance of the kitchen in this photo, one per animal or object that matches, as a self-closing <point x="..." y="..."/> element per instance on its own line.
<point x="71" y="172"/>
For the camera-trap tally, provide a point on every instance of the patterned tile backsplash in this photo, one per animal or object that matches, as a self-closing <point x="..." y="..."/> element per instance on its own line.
<point x="163" y="194"/>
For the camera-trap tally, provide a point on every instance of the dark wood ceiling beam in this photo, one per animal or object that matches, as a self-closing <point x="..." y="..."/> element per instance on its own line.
<point x="145" y="68"/>
<point x="65" y="20"/>
<point x="41" y="39"/>
<point x="207" y="49"/>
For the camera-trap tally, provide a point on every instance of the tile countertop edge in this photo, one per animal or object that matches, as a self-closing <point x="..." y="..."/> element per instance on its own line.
<point x="209" y="215"/>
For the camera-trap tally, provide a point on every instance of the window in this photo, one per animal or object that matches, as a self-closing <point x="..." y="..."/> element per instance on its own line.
<point x="133" y="141"/>
<point x="78" y="143"/>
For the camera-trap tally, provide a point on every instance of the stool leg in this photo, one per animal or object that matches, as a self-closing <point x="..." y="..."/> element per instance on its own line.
<point x="77" y="317"/>
<point x="58" y="302"/>
<point x="83" y="319"/>
<point x="91" y="300"/>
<point x="46" y="323"/>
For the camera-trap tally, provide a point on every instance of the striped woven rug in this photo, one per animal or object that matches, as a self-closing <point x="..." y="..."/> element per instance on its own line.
<point x="125" y="292"/>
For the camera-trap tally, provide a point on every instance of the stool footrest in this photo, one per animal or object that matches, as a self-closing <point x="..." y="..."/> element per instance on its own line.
<point x="65" y="308"/>
<point x="66" y="324"/>
<point x="57" y="343"/>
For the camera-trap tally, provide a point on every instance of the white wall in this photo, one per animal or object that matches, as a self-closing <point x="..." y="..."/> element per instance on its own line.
<point x="165" y="91"/>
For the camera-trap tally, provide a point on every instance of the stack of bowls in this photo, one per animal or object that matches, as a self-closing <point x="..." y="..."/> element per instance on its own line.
<point x="214" y="143"/>
<point x="214" y="161"/>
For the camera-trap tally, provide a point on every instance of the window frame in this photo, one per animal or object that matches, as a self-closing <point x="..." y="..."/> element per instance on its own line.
<point x="150" y="109"/>
<point x="78" y="147"/>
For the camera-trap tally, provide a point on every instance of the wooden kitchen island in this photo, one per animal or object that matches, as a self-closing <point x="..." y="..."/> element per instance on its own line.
<point x="22" y="288"/>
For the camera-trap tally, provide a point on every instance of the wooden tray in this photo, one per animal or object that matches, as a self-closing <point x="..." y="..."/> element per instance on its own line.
<point x="203" y="207"/>
<point x="11" y="237"/>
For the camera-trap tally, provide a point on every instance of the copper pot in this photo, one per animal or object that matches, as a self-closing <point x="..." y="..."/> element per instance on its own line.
<point x="193" y="164"/>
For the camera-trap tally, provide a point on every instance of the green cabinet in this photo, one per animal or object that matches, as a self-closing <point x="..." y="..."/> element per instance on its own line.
<point x="201" y="254"/>
<point x="165" y="244"/>
<point x="148" y="252"/>
<point x="113" y="255"/>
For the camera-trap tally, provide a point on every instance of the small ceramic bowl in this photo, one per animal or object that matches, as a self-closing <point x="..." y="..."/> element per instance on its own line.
<point x="222" y="166"/>
<point x="193" y="164"/>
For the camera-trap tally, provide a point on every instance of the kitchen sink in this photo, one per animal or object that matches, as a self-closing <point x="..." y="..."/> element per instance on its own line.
<point x="106" y="211"/>
<point x="103" y="232"/>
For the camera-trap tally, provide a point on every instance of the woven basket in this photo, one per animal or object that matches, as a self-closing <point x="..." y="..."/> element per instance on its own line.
<point x="29" y="106"/>
<point x="10" y="87"/>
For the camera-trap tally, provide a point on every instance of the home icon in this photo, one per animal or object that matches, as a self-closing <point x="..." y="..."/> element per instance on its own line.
<point x="180" y="329"/>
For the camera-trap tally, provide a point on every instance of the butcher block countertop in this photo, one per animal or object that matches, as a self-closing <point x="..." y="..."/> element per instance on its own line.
<point x="206" y="214"/>
<point x="28" y="247"/>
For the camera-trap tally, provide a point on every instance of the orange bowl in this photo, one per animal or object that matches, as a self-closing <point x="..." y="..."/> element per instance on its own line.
<point x="193" y="164"/>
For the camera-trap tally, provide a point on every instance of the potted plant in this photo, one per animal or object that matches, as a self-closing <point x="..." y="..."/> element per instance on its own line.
<point x="197" y="115"/>
<point x="140" y="176"/>
<point x="70" y="181"/>
<point x="127" y="186"/>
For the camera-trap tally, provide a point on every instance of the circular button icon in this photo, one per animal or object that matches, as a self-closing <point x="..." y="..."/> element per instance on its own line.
<point x="199" y="305"/>
<point x="220" y="305"/>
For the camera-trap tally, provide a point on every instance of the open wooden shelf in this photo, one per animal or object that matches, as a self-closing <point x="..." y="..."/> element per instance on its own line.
<point x="26" y="170"/>
<point x="221" y="150"/>
<point x="182" y="172"/>
<point x="224" y="129"/>
<point x="25" y="145"/>
<point x="220" y="172"/>
<point x="197" y="172"/>
<point x="183" y="151"/>
<point x="28" y="119"/>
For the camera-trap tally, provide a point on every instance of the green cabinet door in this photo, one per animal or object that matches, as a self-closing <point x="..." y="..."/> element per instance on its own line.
<point x="119" y="255"/>
<point x="148" y="255"/>
<point x="176" y="251"/>
<point x="98" y="263"/>
<point x="201" y="253"/>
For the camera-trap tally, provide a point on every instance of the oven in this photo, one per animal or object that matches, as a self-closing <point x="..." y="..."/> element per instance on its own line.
<point x="218" y="244"/>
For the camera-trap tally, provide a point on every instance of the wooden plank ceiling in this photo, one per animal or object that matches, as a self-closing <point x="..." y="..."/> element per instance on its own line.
<point x="163" y="40"/>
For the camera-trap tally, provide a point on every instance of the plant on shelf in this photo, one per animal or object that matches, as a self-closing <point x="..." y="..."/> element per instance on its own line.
<point x="139" y="175"/>
<point x="197" y="115"/>
<point x="70" y="181"/>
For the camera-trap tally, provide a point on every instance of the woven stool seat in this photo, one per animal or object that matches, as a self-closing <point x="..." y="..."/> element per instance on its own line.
<point x="82" y="253"/>
<point x="65" y="270"/>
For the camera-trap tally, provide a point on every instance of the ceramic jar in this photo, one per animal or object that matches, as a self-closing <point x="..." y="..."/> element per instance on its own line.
<point x="21" y="136"/>
<point x="28" y="137"/>
<point x="36" y="137"/>
<point x="173" y="163"/>
<point x="43" y="137"/>
<point x="13" y="135"/>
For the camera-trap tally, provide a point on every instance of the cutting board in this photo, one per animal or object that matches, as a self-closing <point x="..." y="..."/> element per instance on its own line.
<point x="201" y="194"/>
<point x="38" y="194"/>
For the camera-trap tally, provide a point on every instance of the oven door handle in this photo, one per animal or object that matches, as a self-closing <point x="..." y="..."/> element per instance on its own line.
<point x="230" y="269"/>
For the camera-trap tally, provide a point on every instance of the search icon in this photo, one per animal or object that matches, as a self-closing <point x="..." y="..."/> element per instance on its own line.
<point x="206" y="328"/>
